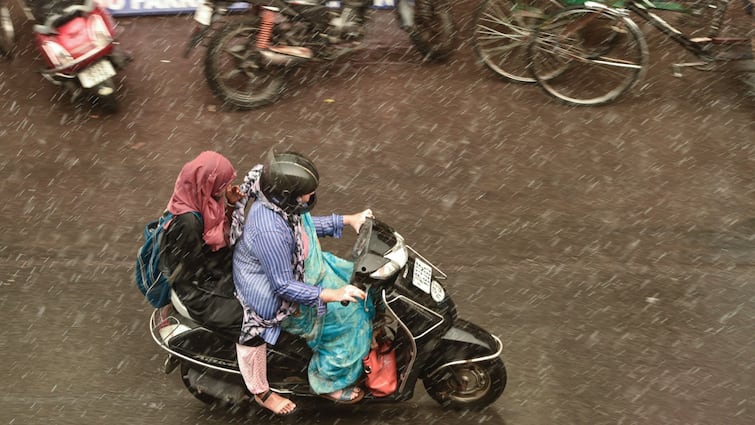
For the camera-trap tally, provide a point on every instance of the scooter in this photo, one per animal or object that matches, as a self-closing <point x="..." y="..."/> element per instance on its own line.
<point x="77" y="42"/>
<point x="459" y="363"/>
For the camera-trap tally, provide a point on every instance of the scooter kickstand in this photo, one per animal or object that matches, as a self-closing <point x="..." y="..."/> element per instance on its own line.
<point x="170" y="364"/>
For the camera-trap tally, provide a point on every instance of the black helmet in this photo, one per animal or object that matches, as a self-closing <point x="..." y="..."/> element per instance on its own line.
<point x="287" y="176"/>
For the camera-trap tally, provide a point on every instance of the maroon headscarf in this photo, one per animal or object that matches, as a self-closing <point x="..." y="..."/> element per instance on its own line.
<point x="206" y="175"/>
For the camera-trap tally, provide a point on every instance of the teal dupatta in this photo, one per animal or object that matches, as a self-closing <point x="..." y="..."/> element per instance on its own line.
<point x="342" y="337"/>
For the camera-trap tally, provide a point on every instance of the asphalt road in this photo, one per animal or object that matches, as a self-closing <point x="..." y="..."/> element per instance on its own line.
<point x="612" y="249"/>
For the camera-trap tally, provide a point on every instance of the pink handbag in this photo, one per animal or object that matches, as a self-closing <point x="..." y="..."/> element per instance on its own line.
<point x="380" y="369"/>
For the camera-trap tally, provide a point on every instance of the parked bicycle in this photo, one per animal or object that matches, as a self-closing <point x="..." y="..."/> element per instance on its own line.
<point x="592" y="54"/>
<point x="502" y="29"/>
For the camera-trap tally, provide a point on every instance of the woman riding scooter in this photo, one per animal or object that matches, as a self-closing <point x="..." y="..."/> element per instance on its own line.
<point x="285" y="281"/>
<point x="416" y="321"/>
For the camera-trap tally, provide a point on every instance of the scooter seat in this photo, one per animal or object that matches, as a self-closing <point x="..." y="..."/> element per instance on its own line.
<point x="55" y="20"/>
<point x="179" y="306"/>
<point x="44" y="30"/>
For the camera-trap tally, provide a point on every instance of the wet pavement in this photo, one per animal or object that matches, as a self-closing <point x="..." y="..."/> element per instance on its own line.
<point x="611" y="249"/>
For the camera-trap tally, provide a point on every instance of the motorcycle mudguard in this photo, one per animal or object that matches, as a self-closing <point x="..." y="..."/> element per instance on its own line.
<point x="465" y="342"/>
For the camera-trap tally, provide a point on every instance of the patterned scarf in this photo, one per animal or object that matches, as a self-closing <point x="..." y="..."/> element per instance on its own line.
<point x="254" y="324"/>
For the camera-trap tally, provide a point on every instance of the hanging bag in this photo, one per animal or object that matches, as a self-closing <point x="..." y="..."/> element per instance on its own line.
<point x="380" y="370"/>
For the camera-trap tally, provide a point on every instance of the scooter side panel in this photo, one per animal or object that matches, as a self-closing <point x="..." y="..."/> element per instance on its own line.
<point x="465" y="342"/>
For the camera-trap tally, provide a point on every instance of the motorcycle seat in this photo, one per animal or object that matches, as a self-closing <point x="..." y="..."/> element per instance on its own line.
<point x="44" y="30"/>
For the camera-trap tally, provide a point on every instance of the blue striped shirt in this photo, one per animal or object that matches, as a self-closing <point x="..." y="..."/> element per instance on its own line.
<point x="262" y="264"/>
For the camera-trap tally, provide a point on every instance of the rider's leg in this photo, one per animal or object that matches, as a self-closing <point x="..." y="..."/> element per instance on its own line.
<point x="253" y="366"/>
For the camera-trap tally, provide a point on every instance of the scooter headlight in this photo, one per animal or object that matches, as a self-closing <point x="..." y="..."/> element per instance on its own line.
<point x="57" y="54"/>
<point x="99" y="31"/>
<point x="397" y="256"/>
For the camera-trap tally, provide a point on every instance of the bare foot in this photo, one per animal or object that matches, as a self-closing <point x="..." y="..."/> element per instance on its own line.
<point x="275" y="403"/>
<point x="346" y="396"/>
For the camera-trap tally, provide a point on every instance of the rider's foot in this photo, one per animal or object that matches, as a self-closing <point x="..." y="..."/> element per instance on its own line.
<point x="275" y="403"/>
<point x="347" y="395"/>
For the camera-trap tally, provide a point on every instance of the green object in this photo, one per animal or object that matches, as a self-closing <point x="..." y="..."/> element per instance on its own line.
<point x="658" y="5"/>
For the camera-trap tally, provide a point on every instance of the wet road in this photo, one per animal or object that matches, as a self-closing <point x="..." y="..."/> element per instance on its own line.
<point x="611" y="249"/>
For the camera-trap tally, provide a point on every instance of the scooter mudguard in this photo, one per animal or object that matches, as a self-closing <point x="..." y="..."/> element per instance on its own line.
<point x="465" y="342"/>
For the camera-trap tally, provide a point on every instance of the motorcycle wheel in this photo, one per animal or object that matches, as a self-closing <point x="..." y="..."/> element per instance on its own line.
<point x="7" y="32"/>
<point x="469" y="386"/>
<point x="229" y="406"/>
<point x="234" y="69"/>
<point x="434" y="32"/>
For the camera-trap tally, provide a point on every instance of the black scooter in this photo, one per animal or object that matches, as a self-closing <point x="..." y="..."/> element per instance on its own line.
<point x="458" y="362"/>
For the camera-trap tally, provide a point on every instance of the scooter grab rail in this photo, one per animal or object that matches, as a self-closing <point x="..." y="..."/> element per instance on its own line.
<point x="154" y="327"/>
<point x="81" y="59"/>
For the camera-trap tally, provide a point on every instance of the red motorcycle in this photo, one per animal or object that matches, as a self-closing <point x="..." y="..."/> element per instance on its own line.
<point x="77" y="41"/>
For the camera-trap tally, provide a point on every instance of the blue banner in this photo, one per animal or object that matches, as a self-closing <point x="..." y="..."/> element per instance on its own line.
<point x="167" y="7"/>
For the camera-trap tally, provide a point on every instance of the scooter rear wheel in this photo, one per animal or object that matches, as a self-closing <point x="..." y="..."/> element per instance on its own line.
<point x="468" y="386"/>
<point x="193" y="378"/>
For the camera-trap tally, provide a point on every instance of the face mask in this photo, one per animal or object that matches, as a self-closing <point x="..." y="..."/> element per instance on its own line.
<point x="304" y="207"/>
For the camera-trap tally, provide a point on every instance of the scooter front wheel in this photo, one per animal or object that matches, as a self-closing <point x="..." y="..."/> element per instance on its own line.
<point x="468" y="386"/>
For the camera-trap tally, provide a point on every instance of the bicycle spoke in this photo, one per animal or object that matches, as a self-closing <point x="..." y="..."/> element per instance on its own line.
<point x="585" y="57"/>
<point x="502" y="28"/>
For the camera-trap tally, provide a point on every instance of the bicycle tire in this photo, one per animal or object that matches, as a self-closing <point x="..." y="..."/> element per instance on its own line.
<point x="587" y="56"/>
<point x="501" y="31"/>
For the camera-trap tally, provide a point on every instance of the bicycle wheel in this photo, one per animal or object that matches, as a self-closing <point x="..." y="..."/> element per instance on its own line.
<point x="501" y="34"/>
<point x="584" y="56"/>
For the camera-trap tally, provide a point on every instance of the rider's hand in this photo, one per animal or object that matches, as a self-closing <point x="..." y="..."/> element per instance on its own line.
<point x="348" y="293"/>
<point x="357" y="220"/>
<point x="233" y="194"/>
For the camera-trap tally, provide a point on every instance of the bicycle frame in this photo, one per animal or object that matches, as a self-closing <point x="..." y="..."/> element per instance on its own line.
<point x="694" y="46"/>
<point x="697" y="46"/>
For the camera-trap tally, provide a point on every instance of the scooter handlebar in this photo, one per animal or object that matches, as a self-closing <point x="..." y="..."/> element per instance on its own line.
<point x="360" y="250"/>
